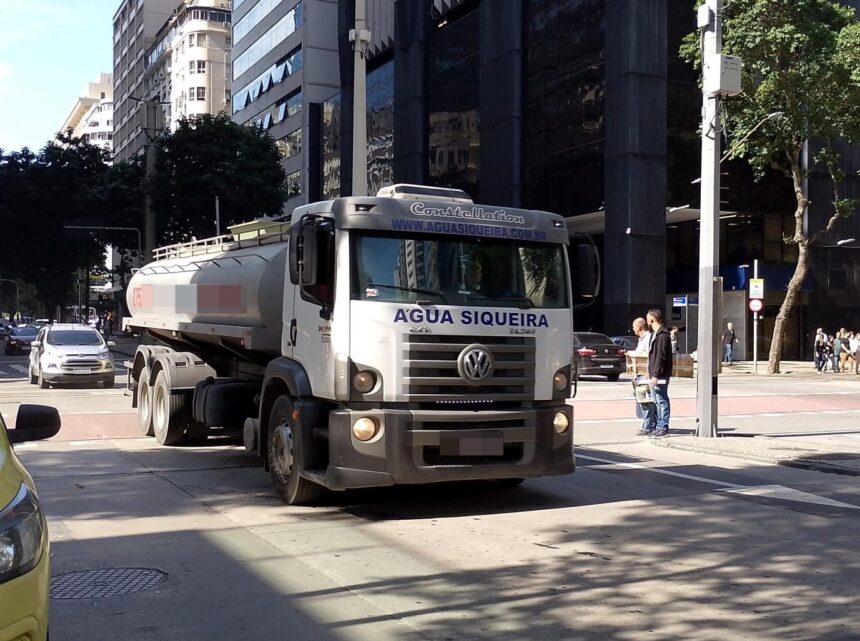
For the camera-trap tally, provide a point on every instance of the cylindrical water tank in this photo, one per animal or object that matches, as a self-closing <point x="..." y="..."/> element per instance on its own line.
<point x="242" y="287"/>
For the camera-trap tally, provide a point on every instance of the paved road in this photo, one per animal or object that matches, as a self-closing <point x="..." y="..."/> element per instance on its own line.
<point x="640" y="543"/>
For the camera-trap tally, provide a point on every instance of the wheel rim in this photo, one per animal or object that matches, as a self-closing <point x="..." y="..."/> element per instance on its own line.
<point x="282" y="452"/>
<point x="144" y="402"/>
<point x="159" y="411"/>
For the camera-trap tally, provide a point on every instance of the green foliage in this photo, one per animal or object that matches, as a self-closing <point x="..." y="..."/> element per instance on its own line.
<point x="801" y="58"/>
<point x="213" y="156"/>
<point x="39" y="192"/>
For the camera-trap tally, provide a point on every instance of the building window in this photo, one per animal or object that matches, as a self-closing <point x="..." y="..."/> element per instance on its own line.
<point x="197" y="93"/>
<point x="331" y="118"/>
<point x="282" y="29"/>
<point x="226" y="96"/>
<point x="274" y="75"/>
<point x="251" y="19"/>
<point x="294" y="184"/>
<point x="564" y="96"/>
<point x="452" y="105"/>
<point x="380" y="127"/>
<point x="291" y="144"/>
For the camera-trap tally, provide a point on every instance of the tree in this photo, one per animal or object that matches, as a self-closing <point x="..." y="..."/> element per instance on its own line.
<point x="801" y="58"/>
<point x="38" y="194"/>
<point x="208" y="157"/>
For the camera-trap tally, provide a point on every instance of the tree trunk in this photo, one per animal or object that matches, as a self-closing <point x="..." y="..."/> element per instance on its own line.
<point x="786" y="308"/>
<point x="802" y="242"/>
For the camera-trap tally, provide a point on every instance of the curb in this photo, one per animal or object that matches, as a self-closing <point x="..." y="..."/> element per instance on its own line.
<point x="812" y="465"/>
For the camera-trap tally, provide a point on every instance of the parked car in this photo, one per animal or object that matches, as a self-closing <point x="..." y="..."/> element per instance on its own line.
<point x="24" y="544"/>
<point x="65" y="353"/>
<point x="596" y="354"/>
<point x="18" y="340"/>
<point x="629" y="343"/>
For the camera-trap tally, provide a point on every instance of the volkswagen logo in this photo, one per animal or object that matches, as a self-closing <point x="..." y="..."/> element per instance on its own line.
<point x="475" y="363"/>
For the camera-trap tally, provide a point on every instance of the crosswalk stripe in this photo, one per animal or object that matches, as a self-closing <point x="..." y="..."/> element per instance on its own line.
<point x="20" y="368"/>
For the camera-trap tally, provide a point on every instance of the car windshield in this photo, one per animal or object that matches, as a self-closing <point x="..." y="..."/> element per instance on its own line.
<point x="583" y="338"/>
<point x="444" y="270"/>
<point x="24" y="331"/>
<point x="74" y="337"/>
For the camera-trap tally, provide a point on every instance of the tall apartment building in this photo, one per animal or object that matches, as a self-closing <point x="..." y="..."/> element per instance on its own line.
<point x="285" y="65"/>
<point x="187" y="68"/>
<point x="91" y="117"/>
<point x="135" y="24"/>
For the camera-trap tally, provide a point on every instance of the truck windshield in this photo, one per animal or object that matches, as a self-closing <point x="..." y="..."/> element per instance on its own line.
<point x="442" y="270"/>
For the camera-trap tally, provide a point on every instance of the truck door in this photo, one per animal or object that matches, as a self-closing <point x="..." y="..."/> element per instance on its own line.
<point x="312" y="269"/>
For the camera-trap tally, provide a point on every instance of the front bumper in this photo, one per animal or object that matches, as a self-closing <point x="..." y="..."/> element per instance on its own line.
<point x="24" y="614"/>
<point x="71" y="377"/>
<point x="429" y="446"/>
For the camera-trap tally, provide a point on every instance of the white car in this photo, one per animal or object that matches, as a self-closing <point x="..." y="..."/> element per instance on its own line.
<point x="65" y="353"/>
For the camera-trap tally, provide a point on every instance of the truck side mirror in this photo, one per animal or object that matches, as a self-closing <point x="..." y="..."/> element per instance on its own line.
<point x="303" y="254"/>
<point x="586" y="273"/>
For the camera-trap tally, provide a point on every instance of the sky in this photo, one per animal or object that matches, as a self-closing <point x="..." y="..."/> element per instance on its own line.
<point x="49" y="51"/>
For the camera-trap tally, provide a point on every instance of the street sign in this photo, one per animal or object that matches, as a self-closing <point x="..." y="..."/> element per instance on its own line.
<point x="756" y="305"/>
<point x="679" y="301"/>
<point x="756" y="287"/>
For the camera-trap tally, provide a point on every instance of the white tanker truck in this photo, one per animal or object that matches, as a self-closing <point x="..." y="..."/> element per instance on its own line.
<point x="412" y="337"/>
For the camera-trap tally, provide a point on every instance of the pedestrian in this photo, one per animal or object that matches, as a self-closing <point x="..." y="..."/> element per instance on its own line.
<point x="854" y="348"/>
<point x="99" y="324"/>
<point x="673" y="333"/>
<point x="644" y="410"/>
<point x="109" y="325"/>
<point x="729" y="338"/>
<point x="660" y="371"/>
<point x="820" y="337"/>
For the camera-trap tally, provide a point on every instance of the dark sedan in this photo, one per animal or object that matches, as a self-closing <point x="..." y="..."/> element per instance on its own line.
<point x="19" y="339"/>
<point x="597" y="355"/>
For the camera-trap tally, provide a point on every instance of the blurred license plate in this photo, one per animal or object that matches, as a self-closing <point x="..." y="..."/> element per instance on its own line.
<point x="484" y="444"/>
<point x="607" y="365"/>
<point x="80" y="371"/>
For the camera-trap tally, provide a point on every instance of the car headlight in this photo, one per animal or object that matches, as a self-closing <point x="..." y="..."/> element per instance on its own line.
<point x="104" y="356"/>
<point x="22" y="528"/>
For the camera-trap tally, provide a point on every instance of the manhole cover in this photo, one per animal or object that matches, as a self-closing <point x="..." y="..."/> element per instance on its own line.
<point x="96" y="584"/>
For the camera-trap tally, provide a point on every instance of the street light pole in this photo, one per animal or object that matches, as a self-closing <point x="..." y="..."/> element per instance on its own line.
<point x="360" y="37"/>
<point x="709" y="234"/>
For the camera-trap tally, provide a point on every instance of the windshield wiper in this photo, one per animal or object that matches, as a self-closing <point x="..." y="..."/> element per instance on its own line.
<point x="417" y="290"/>
<point x="524" y="301"/>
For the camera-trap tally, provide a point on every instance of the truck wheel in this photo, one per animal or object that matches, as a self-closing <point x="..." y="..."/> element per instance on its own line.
<point x="285" y="459"/>
<point x="169" y="415"/>
<point x="144" y="404"/>
<point x="197" y="433"/>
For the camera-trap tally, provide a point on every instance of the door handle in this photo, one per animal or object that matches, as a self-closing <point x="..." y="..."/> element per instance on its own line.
<point x="293" y="332"/>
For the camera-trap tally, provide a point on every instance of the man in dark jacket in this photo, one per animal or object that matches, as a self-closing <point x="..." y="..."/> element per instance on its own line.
<point x="660" y="370"/>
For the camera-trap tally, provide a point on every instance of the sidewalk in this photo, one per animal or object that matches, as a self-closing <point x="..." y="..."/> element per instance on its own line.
<point x="820" y="452"/>
<point x="792" y="369"/>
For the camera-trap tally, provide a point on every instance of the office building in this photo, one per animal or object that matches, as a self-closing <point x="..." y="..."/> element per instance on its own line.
<point x="91" y="117"/>
<point x="284" y="66"/>
<point x="186" y="68"/>
<point x="135" y="25"/>
<point x="582" y="107"/>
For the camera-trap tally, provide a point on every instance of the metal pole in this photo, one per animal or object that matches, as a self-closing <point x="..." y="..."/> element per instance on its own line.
<point x="217" y="217"/>
<point x="150" y="123"/>
<point x="755" y="325"/>
<point x="360" y="37"/>
<point x="709" y="236"/>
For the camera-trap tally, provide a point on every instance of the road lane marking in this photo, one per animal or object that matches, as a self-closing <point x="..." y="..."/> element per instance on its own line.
<point x="764" y="491"/>
<point x="788" y="494"/>
<point x="20" y="368"/>
<point x="637" y="466"/>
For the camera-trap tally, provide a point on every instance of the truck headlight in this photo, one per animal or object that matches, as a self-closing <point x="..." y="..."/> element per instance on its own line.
<point x="560" y="422"/>
<point x="364" y="382"/>
<point x="560" y="382"/>
<point x="22" y="527"/>
<point x="365" y="428"/>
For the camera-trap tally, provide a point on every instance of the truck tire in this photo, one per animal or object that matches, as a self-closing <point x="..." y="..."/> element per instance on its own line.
<point x="169" y="413"/>
<point x="285" y="460"/>
<point x="197" y="433"/>
<point x="144" y="404"/>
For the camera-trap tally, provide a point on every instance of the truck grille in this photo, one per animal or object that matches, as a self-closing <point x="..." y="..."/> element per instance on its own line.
<point x="430" y="368"/>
